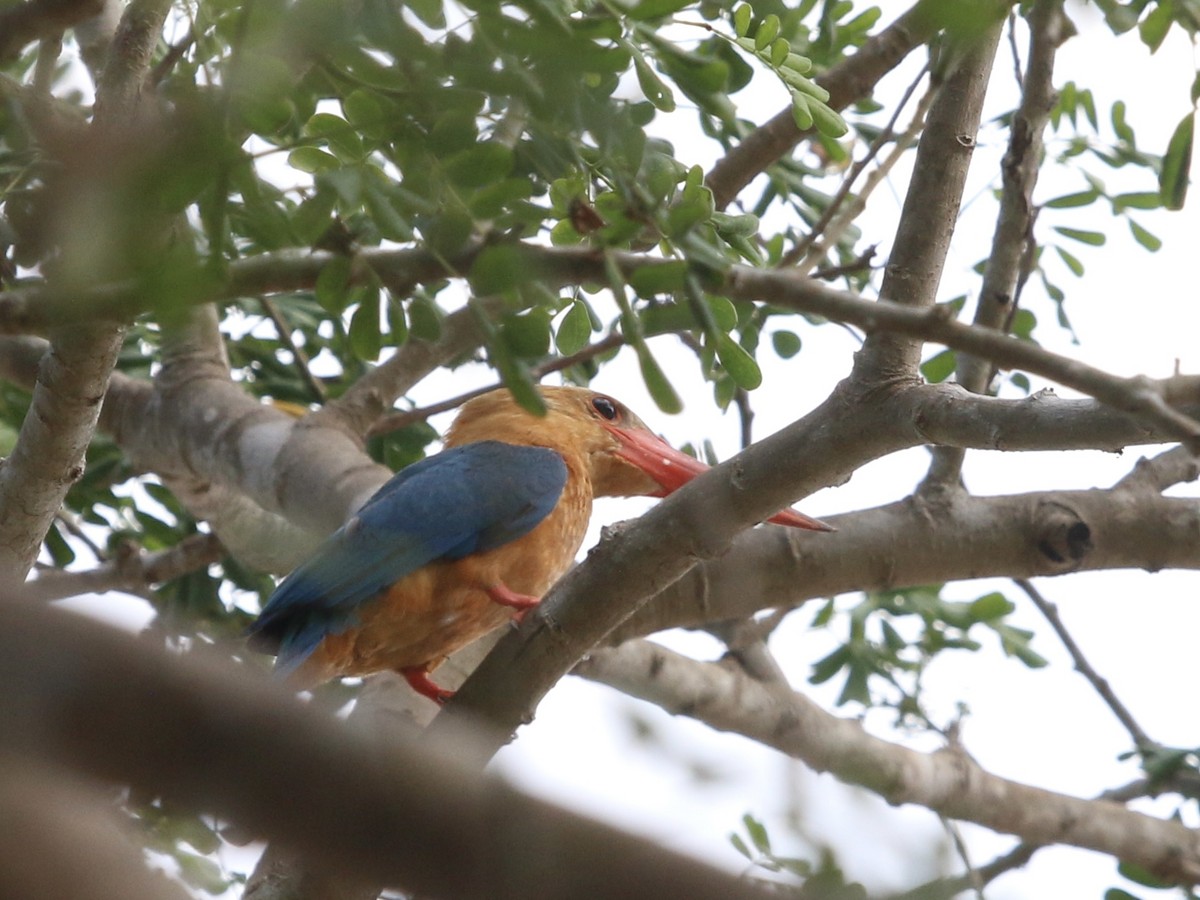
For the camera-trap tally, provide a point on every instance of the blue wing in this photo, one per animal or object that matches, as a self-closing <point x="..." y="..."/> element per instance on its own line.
<point x="469" y="499"/>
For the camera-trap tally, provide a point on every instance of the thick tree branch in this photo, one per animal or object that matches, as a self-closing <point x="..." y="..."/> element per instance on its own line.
<point x="1019" y="169"/>
<point x="48" y="455"/>
<point x="1012" y="241"/>
<point x="921" y="540"/>
<point x="931" y="205"/>
<point x="110" y="706"/>
<point x="948" y="782"/>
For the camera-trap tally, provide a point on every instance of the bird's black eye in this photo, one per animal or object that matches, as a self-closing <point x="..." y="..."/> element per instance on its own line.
<point x="605" y="407"/>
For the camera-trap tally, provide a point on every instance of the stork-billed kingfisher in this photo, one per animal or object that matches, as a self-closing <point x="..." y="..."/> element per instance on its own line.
<point x="457" y="544"/>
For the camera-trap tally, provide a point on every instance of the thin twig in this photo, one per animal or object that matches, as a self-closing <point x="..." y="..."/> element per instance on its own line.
<point x="803" y="246"/>
<point x="132" y="571"/>
<point x="1050" y="612"/>
<point x="396" y="421"/>
<point x="299" y="357"/>
<point x="173" y="55"/>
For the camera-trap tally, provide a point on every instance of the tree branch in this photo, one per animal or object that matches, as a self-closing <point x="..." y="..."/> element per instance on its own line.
<point x="132" y="570"/>
<point x="931" y="205"/>
<point x="48" y="455"/>
<point x="948" y="781"/>
<point x="1012" y="241"/>
<point x="207" y="738"/>
<point x="1141" y="740"/>
<point x="919" y="541"/>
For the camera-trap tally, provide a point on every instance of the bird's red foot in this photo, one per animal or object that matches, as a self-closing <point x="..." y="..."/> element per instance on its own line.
<point x="418" y="679"/>
<point x="505" y="597"/>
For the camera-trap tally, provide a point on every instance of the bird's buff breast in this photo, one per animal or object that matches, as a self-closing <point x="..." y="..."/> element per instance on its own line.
<point x="444" y="606"/>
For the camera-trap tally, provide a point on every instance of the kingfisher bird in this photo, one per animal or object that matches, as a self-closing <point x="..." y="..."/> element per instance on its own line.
<point x="462" y="542"/>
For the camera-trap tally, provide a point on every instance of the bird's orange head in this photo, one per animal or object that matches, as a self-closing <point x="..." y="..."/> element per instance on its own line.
<point x="596" y="435"/>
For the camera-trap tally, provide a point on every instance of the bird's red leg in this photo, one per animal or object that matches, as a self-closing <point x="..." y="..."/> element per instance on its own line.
<point x="418" y="679"/>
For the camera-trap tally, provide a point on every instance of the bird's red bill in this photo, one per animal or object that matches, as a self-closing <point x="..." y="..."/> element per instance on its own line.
<point x="673" y="469"/>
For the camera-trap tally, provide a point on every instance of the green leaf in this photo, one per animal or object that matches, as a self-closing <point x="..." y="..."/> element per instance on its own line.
<point x="1145" y="238"/>
<point x="786" y="343"/>
<point x="314" y="216"/>
<point x="1067" y="201"/>
<point x="494" y="199"/>
<point x="366" y="339"/>
<point x="659" y="278"/>
<point x="828" y="666"/>
<point x="1091" y="238"/>
<point x="1025" y="321"/>
<point x="1120" y="126"/>
<point x="991" y="606"/>
<point x="365" y="112"/>
<point x="1154" y="27"/>
<point x="801" y="112"/>
<point x="332" y="285"/>
<point x="828" y="122"/>
<point x="528" y="334"/>
<point x="574" y="329"/>
<point x="387" y="218"/>
<point x="939" y="367"/>
<point x="652" y="86"/>
<point x="339" y="134"/>
<point x="312" y="159"/>
<point x="780" y="50"/>
<point x="60" y="551"/>
<point x="1177" y="163"/>
<point x="661" y="391"/>
<point x="742" y="17"/>
<point x="481" y="165"/>
<point x="1137" y="200"/>
<point x="424" y="318"/>
<point x="1139" y="875"/>
<point x="1072" y="261"/>
<point x="397" y="321"/>
<point x="758" y="833"/>
<point x="767" y="32"/>
<point x="738" y="363"/>
<point x="201" y="872"/>
<point x="723" y="312"/>
<point x="857" y="686"/>
<point x="498" y="268"/>
<point x="740" y="845"/>
<point x="730" y="225"/>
